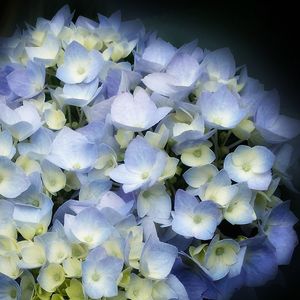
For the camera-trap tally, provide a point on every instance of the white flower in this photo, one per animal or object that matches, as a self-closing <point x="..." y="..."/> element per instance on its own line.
<point x="13" y="180"/>
<point x="157" y="259"/>
<point x="72" y="151"/>
<point x="21" y="122"/>
<point x="220" y="256"/>
<point x="89" y="227"/>
<point x="142" y="167"/>
<point x="193" y="218"/>
<point x="137" y="112"/>
<point x="251" y="165"/>
<point x="100" y="274"/>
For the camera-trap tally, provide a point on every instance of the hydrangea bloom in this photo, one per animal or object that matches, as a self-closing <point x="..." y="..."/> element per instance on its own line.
<point x="128" y="165"/>
<point x="143" y="165"/>
<point x="80" y="65"/>
<point x="251" y="165"/>
<point x="27" y="81"/>
<point x="136" y="112"/>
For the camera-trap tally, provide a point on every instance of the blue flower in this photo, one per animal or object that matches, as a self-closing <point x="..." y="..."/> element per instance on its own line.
<point x="72" y="151"/>
<point x="77" y="94"/>
<point x="9" y="288"/>
<point x="9" y="175"/>
<point x="27" y="82"/>
<point x="278" y="226"/>
<point x="137" y="112"/>
<point x="21" y="122"/>
<point x="142" y="167"/>
<point x="100" y="274"/>
<point x="193" y="218"/>
<point x="80" y="65"/>
<point x="259" y="263"/>
<point x="157" y="259"/>
<point x="89" y="227"/>
<point x="274" y="127"/>
<point x="154" y="57"/>
<point x="219" y="65"/>
<point x="178" y="80"/>
<point x="250" y="164"/>
<point x="221" y="109"/>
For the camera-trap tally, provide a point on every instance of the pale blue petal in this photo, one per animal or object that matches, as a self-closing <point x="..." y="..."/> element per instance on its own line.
<point x="121" y="80"/>
<point x="178" y="287"/>
<point x="9" y="287"/>
<point x="123" y="175"/>
<point x="162" y="83"/>
<point x="282" y="215"/>
<point x="27" y="82"/>
<point x="260" y="263"/>
<point x="79" y="65"/>
<point x="219" y="64"/>
<point x="13" y="180"/>
<point x="155" y="56"/>
<point x="140" y="155"/>
<point x="80" y="94"/>
<point x="185" y="68"/>
<point x="195" y="283"/>
<point x="157" y="259"/>
<point x="61" y="18"/>
<point x="89" y="226"/>
<point x="72" y="151"/>
<point x="7" y="148"/>
<point x="268" y="110"/>
<point x="221" y="109"/>
<point x="136" y="112"/>
<point x="284" y="239"/>
<point x="39" y="145"/>
<point x="185" y="202"/>
<point x="100" y="277"/>
<point x="93" y="191"/>
<point x="21" y="122"/>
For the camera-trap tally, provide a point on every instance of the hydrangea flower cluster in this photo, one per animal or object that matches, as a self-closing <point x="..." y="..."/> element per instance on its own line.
<point x="132" y="169"/>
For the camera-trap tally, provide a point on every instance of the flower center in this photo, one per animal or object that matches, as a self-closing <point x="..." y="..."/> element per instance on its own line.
<point x="110" y="163"/>
<point x="219" y="251"/>
<point x="88" y="239"/>
<point x="13" y="293"/>
<point x="39" y="230"/>
<point x="145" y="175"/>
<point x="197" y="219"/>
<point x="56" y="277"/>
<point x="96" y="276"/>
<point x="60" y="255"/>
<point x="76" y="166"/>
<point x="246" y="167"/>
<point x="197" y="153"/>
<point x="35" y="202"/>
<point x="146" y="194"/>
<point x="80" y="70"/>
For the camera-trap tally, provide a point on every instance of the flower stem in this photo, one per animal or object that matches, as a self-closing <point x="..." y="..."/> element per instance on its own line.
<point x="235" y="144"/>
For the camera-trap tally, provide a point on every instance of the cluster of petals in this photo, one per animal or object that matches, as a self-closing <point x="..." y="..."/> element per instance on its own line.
<point x="127" y="164"/>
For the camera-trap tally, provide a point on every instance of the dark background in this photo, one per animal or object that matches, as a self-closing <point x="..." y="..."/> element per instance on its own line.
<point x="262" y="35"/>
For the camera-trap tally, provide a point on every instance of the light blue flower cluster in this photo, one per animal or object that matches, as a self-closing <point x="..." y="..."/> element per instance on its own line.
<point x="132" y="169"/>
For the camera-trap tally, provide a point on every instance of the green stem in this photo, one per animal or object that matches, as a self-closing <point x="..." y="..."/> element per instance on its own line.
<point x="81" y="115"/>
<point x="235" y="144"/>
<point x="216" y="144"/>
<point x="53" y="86"/>
<point x="51" y="72"/>
<point x="69" y="114"/>
<point x="227" y="137"/>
